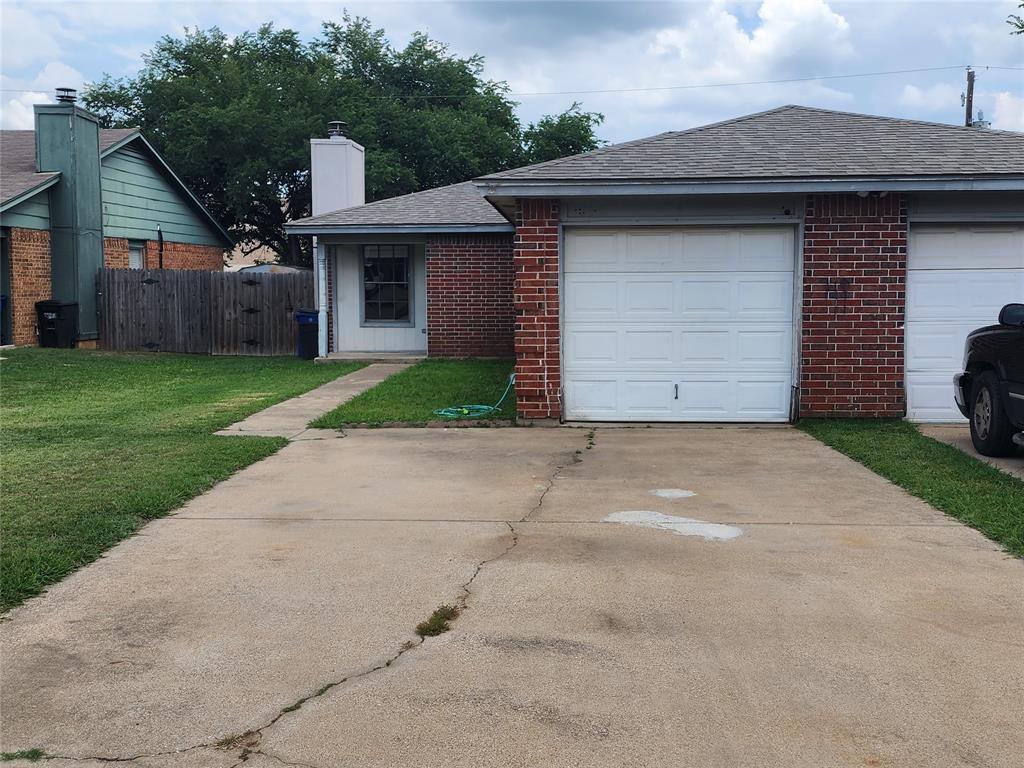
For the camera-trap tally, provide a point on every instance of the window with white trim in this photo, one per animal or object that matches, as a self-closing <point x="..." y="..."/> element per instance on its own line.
<point x="387" y="282"/>
<point x="136" y="254"/>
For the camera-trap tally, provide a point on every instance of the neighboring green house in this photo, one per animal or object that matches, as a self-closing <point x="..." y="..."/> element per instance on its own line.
<point x="75" y="198"/>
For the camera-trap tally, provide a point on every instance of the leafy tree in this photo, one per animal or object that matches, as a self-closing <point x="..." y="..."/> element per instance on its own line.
<point x="1017" y="22"/>
<point x="233" y="116"/>
<point x="569" y="133"/>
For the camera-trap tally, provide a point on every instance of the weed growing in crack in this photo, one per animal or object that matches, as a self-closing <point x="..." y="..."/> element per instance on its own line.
<point x="438" y="621"/>
<point x="590" y="439"/>
<point x="32" y="755"/>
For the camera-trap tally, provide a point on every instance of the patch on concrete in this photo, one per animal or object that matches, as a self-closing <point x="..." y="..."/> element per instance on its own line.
<point x="683" y="526"/>
<point x="672" y="493"/>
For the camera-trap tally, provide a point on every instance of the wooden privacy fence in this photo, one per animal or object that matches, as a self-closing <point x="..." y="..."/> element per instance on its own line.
<point x="206" y="313"/>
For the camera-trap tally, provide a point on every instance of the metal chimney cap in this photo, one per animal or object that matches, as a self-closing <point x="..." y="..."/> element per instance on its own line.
<point x="336" y="128"/>
<point x="67" y="95"/>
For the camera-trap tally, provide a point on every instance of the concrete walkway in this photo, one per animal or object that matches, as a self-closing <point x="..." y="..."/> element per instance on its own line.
<point x="291" y="418"/>
<point x="959" y="436"/>
<point x="811" y="614"/>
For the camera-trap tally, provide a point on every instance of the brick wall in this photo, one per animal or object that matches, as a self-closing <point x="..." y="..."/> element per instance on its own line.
<point x="115" y="252"/>
<point x="30" y="280"/>
<point x="185" y="256"/>
<point x="537" y="342"/>
<point x="469" y="296"/>
<point x="855" y="264"/>
<point x="176" y="255"/>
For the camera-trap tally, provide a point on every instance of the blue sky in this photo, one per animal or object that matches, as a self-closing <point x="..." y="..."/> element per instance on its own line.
<point x="585" y="46"/>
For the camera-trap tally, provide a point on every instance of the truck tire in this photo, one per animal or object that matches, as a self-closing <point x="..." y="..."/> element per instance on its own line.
<point x="991" y="430"/>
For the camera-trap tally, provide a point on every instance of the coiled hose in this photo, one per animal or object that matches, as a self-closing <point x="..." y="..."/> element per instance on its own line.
<point x="475" y="411"/>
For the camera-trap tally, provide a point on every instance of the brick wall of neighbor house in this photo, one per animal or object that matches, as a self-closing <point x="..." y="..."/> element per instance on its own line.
<point x="30" y="280"/>
<point x="185" y="256"/>
<point x="176" y="255"/>
<point x="469" y="296"/>
<point x="115" y="252"/>
<point x="535" y="293"/>
<point x="855" y="265"/>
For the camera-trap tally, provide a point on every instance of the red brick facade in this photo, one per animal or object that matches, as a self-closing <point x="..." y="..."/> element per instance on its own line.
<point x="537" y="336"/>
<point x="115" y="252"/>
<point x="30" y="280"/>
<point x="855" y="271"/>
<point x="469" y="296"/>
<point x="209" y="258"/>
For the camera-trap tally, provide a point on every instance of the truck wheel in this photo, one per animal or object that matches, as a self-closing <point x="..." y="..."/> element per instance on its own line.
<point x="991" y="430"/>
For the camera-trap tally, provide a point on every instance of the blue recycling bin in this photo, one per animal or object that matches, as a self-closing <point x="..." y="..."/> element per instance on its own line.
<point x="307" y="323"/>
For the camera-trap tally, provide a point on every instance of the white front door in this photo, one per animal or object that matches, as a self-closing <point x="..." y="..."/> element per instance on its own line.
<point x="958" y="278"/>
<point x="678" y="324"/>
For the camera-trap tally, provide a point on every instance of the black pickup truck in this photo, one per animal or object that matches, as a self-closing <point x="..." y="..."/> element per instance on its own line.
<point x="990" y="391"/>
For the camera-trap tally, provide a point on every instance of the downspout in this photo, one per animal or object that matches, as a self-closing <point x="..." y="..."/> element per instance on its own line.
<point x="320" y="252"/>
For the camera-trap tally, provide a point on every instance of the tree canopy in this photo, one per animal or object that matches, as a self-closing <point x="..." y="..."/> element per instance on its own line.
<point x="233" y="116"/>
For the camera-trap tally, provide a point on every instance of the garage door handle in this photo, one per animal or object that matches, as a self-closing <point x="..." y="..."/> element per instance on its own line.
<point x="677" y="391"/>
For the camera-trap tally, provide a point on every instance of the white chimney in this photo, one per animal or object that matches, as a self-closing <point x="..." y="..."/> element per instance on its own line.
<point x="336" y="166"/>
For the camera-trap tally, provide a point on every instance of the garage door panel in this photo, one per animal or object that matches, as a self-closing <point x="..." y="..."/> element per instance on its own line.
<point x="959" y="277"/>
<point x="770" y="347"/>
<point x="584" y="347"/>
<point x="697" y="249"/>
<point x="699" y="347"/>
<point x="765" y="297"/>
<point x="592" y="297"/>
<point x="763" y="399"/>
<point x="647" y="346"/>
<point x="958" y="246"/>
<point x="624" y="347"/>
<point x="648" y="297"/>
<point x="962" y="294"/>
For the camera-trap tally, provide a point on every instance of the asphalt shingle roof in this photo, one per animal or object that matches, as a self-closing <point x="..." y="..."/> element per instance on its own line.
<point x="793" y="142"/>
<point x="18" y="159"/>
<point x="459" y="204"/>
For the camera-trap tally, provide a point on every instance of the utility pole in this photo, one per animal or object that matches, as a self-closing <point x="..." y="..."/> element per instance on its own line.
<point x="969" y="100"/>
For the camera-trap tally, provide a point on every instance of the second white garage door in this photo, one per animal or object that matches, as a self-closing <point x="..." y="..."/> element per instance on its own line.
<point x="958" y="278"/>
<point x="678" y="324"/>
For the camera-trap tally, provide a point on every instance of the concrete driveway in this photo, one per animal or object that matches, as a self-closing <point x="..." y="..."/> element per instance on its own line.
<point x="829" y="619"/>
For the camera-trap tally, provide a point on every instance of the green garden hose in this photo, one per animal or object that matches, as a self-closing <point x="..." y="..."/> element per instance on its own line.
<point x="475" y="411"/>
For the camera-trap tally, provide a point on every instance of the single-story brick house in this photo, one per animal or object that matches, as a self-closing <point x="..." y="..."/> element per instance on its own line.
<point x="75" y="197"/>
<point x="794" y="262"/>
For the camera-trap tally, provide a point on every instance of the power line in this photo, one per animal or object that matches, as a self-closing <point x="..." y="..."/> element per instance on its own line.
<point x="689" y="86"/>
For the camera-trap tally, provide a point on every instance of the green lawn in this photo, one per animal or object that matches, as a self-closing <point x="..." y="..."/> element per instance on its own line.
<point x="973" y="492"/>
<point x="413" y="395"/>
<point x="95" y="443"/>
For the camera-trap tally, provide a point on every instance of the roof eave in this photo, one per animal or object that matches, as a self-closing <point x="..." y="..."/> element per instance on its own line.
<point x="579" y="188"/>
<point x="397" y="229"/>
<point x="21" y="197"/>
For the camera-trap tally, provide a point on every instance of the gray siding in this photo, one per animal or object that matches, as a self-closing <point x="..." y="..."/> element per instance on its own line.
<point x="137" y="197"/>
<point x="33" y="213"/>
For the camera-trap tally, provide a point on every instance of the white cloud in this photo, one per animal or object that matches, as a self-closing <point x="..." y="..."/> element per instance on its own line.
<point x="28" y="36"/>
<point x="16" y="113"/>
<point x="57" y="74"/>
<point x="793" y="38"/>
<point x="934" y="98"/>
<point x="1008" y="114"/>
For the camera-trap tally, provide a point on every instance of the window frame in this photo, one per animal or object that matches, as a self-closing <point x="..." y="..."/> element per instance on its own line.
<point x="409" y="279"/>
<point x="140" y="247"/>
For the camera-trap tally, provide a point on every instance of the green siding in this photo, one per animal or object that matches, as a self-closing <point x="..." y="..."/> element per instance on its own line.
<point x="33" y="213"/>
<point x="137" y="197"/>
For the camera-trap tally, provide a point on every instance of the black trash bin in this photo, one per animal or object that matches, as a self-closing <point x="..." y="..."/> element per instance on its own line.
<point x="308" y="327"/>
<point x="57" y="322"/>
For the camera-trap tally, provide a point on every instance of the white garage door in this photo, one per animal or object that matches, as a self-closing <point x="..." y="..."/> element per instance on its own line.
<point x="680" y="324"/>
<point x="959" y="276"/>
